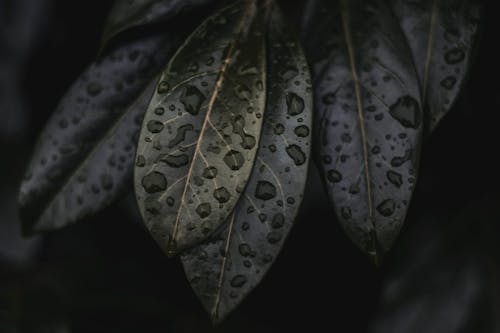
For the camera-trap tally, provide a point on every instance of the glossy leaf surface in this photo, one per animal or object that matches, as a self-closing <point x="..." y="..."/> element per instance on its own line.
<point x="223" y="271"/>
<point x="368" y="117"/>
<point x="200" y="134"/>
<point x="441" y="34"/>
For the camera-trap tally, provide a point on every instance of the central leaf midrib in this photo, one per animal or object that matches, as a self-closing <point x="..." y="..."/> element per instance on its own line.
<point x="357" y="87"/>
<point x="218" y="85"/>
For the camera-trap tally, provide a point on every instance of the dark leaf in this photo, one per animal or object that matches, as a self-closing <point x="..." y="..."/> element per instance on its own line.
<point x="441" y="35"/>
<point x="127" y="14"/>
<point x="369" y="119"/>
<point x="201" y="131"/>
<point x="85" y="154"/>
<point x="222" y="272"/>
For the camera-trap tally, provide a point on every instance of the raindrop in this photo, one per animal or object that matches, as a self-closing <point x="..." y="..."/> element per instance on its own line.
<point x="454" y="56"/>
<point x="192" y="99"/>
<point x="296" y="153"/>
<point x="155" y="126"/>
<point x="301" y="131"/>
<point x="210" y="173"/>
<point x="265" y="190"/>
<point x="274" y="237"/>
<point x="234" y="160"/>
<point x="170" y="201"/>
<point x="278" y="221"/>
<point x="295" y="104"/>
<point x="387" y="207"/>
<point x="175" y="161"/>
<point x="222" y="195"/>
<point x="154" y="182"/>
<point x="279" y="129"/>
<point x="448" y="82"/>
<point x="243" y="92"/>
<point x="163" y="87"/>
<point x="334" y="176"/>
<point x="245" y="250"/>
<point x="345" y="212"/>
<point x="400" y="160"/>
<point x="181" y="135"/>
<point x="238" y="281"/>
<point x="407" y="111"/>
<point x="203" y="210"/>
<point x="159" y="111"/>
<point x="395" y="178"/>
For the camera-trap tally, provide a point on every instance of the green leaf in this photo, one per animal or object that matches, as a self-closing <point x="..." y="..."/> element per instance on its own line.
<point x="441" y="35"/>
<point x="201" y="131"/>
<point x="84" y="157"/>
<point x="369" y="119"/>
<point x="223" y="271"/>
<point x="127" y="14"/>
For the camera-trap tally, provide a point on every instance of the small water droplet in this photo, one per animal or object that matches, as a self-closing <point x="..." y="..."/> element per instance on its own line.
<point x="345" y="212"/>
<point x="387" y="207"/>
<point x="238" y="281"/>
<point x="448" y="82"/>
<point x="234" y="160"/>
<point x="454" y="56"/>
<point x="296" y="153"/>
<point x="407" y="111"/>
<point x="274" y="237"/>
<point x="265" y="190"/>
<point x="175" y="161"/>
<point x="163" y="87"/>
<point x="222" y="195"/>
<point x="203" y="210"/>
<point x="395" y="178"/>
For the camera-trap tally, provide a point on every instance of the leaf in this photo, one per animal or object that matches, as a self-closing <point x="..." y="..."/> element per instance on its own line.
<point x="441" y="35"/>
<point x="223" y="271"/>
<point x="200" y="134"/>
<point x="369" y="119"/>
<point x="127" y="14"/>
<point x="85" y="154"/>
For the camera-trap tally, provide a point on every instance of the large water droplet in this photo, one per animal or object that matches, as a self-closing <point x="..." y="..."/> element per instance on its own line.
<point x="180" y="135"/>
<point x="210" y="172"/>
<point x="395" y="178"/>
<point x="222" y="195"/>
<point x="265" y="190"/>
<point x="238" y="281"/>
<point x="243" y="92"/>
<point x="387" y="207"/>
<point x="203" y="210"/>
<point x="296" y="153"/>
<point x="154" y="182"/>
<point x="454" y="56"/>
<point x="234" y="160"/>
<point x="295" y="104"/>
<point x="175" y="161"/>
<point x="192" y="99"/>
<point x="407" y="111"/>
<point x="155" y="126"/>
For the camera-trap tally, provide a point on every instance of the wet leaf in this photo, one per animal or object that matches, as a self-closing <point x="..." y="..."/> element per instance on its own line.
<point x="223" y="271"/>
<point x="127" y="14"/>
<point x="441" y="35"/>
<point x="201" y="131"/>
<point x="85" y="154"/>
<point x="369" y="119"/>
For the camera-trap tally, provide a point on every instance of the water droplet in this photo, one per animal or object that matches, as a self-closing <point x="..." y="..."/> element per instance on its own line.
<point x="155" y="126"/>
<point x="234" y="160"/>
<point x="163" y="87"/>
<point x="272" y="148"/>
<point x="170" y="201"/>
<point x="295" y="104"/>
<point x="407" y="111"/>
<point x="180" y="135"/>
<point x="278" y="221"/>
<point x="247" y="69"/>
<point x="395" y="178"/>
<point x="238" y="281"/>
<point x="454" y="56"/>
<point x="346" y="137"/>
<point x="400" y="160"/>
<point x="265" y="190"/>
<point x="159" y="111"/>
<point x="279" y="129"/>
<point x="204" y="210"/>
<point x="354" y="188"/>
<point x="243" y="92"/>
<point x="387" y="207"/>
<point x="210" y="173"/>
<point x="376" y="150"/>
<point x="296" y="153"/>
<point x="245" y="250"/>
<point x="222" y="195"/>
<point x="301" y="131"/>
<point x="154" y="182"/>
<point x="94" y="89"/>
<point x="448" y="82"/>
<point x="175" y="161"/>
<point x="192" y="99"/>
<point x="345" y="212"/>
<point x="274" y="237"/>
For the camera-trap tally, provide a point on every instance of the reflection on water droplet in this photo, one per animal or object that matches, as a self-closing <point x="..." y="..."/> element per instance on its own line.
<point x="159" y="111"/>
<point x="265" y="190"/>
<point x="154" y="182"/>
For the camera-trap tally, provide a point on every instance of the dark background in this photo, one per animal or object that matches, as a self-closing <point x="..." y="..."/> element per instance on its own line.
<point x="107" y="275"/>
